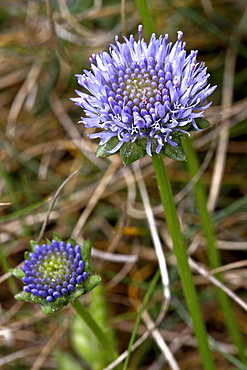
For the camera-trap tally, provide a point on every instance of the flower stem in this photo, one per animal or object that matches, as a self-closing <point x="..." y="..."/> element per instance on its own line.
<point x="182" y="262"/>
<point x="96" y="329"/>
<point x="212" y="250"/>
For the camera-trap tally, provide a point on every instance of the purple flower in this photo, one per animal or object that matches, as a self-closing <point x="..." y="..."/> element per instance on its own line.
<point x="56" y="273"/>
<point x="144" y="92"/>
<point x="53" y="270"/>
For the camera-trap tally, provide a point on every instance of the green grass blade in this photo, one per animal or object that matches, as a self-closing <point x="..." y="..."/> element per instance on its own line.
<point x="212" y="250"/>
<point x="221" y="214"/>
<point x="138" y="319"/>
<point x="146" y="17"/>
<point x="5" y="266"/>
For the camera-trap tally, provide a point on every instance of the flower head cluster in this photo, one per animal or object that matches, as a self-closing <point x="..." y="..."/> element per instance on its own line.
<point x="141" y="91"/>
<point x="56" y="273"/>
<point x="54" y="270"/>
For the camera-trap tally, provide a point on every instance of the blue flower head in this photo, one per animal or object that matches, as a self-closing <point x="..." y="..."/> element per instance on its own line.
<point x="143" y="98"/>
<point x="56" y="273"/>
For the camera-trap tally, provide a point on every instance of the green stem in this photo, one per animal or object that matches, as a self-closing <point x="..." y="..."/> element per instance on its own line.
<point x="212" y="250"/>
<point x="92" y="324"/>
<point x="182" y="262"/>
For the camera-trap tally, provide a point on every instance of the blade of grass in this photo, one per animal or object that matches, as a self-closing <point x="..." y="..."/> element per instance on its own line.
<point x="5" y="266"/>
<point x="13" y="196"/>
<point x="211" y="28"/>
<point x="23" y="211"/>
<point x="146" y="18"/>
<point x="232" y="208"/>
<point x="183" y="314"/>
<point x="212" y="250"/>
<point x="221" y="214"/>
<point x="138" y="319"/>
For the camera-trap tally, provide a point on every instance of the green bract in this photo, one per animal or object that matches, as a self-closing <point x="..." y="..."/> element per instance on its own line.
<point x="131" y="152"/>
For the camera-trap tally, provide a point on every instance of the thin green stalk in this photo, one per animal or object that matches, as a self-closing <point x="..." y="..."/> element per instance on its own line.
<point x="5" y="266"/>
<point x="92" y="324"/>
<point x="138" y="319"/>
<point x="212" y="250"/>
<point x="13" y="196"/>
<point x="146" y="17"/>
<point x="182" y="262"/>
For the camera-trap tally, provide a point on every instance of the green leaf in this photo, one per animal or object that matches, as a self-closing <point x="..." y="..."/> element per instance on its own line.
<point x="99" y="309"/>
<point x="52" y="307"/>
<point x="175" y="152"/>
<point x="17" y="272"/>
<point x="131" y="152"/>
<point x="103" y="150"/>
<point x="202" y="123"/>
<point x="26" y="255"/>
<point x="93" y="349"/>
<point x="57" y="237"/>
<point x="71" y="241"/>
<point x="29" y="297"/>
<point x="33" y="244"/>
<point x="91" y="282"/>
<point x="65" y="361"/>
<point x="83" y="341"/>
<point x="86" y="255"/>
<point x="77" y="293"/>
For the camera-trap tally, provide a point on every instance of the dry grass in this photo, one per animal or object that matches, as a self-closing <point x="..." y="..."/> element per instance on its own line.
<point x="43" y="44"/>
